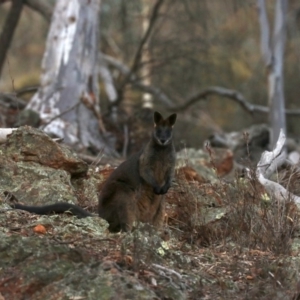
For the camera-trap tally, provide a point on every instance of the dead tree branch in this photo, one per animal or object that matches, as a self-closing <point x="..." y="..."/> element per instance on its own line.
<point x="138" y="54"/>
<point x="200" y="96"/>
<point x="27" y="90"/>
<point x="156" y="92"/>
<point x="42" y="7"/>
<point x="107" y="80"/>
<point x="232" y="95"/>
<point x="153" y="18"/>
<point x="223" y="92"/>
<point x="269" y="162"/>
<point x="8" y="30"/>
<point x="11" y="101"/>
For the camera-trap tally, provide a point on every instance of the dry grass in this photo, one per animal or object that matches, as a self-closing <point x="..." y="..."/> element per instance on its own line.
<point x="250" y="246"/>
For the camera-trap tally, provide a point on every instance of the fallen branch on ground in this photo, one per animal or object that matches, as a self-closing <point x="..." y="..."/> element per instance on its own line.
<point x="269" y="162"/>
<point x="170" y="271"/>
<point x="4" y="132"/>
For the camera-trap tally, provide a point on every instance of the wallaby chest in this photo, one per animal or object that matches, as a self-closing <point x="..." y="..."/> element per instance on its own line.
<point x="157" y="162"/>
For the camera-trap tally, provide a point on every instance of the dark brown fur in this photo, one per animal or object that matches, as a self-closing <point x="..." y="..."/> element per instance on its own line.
<point x="134" y="191"/>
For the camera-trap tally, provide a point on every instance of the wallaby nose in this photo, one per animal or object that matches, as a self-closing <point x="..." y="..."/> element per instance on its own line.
<point x="163" y="140"/>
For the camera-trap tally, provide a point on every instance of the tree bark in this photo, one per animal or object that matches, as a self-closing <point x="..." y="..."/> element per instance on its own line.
<point x="67" y="99"/>
<point x="8" y="30"/>
<point x="272" y="53"/>
<point x="276" y="81"/>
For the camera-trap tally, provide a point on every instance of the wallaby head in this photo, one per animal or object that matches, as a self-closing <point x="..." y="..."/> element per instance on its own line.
<point x="163" y="128"/>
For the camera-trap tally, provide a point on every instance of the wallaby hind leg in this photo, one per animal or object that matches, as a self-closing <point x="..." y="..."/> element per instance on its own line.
<point x="126" y="210"/>
<point x="158" y="219"/>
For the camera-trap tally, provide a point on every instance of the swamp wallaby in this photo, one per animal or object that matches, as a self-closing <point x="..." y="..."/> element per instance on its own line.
<point x="134" y="191"/>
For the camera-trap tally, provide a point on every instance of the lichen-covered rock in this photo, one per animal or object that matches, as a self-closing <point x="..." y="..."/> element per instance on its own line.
<point x="200" y="162"/>
<point x="33" y="183"/>
<point x="33" y="145"/>
<point x="34" y="268"/>
<point x="37" y="170"/>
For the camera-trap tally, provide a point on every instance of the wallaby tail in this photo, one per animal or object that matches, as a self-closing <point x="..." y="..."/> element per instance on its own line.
<point x="61" y="207"/>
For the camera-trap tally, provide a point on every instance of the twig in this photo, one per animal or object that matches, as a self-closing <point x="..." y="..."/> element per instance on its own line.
<point x="26" y="90"/>
<point x="126" y="141"/>
<point x="65" y="242"/>
<point x="277" y="281"/>
<point x="59" y="115"/>
<point x="167" y="270"/>
<point x="105" y="240"/>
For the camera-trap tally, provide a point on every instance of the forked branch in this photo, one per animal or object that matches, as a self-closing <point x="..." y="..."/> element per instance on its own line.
<point x="202" y="95"/>
<point x="269" y="162"/>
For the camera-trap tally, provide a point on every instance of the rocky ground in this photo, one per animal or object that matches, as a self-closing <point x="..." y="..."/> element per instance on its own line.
<point x="223" y="238"/>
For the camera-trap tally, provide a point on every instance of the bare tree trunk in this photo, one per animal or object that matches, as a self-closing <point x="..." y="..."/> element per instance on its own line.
<point x="272" y="52"/>
<point x="276" y="81"/>
<point x="8" y="30"/>
<point x="68" y="97"/>
<point x="147" y="99"/>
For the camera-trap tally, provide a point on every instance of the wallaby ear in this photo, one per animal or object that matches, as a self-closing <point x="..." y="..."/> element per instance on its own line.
<point x="157" y="117"/>
<point x="172" y="119"/>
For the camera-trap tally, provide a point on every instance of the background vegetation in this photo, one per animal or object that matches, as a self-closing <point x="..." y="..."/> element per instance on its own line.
<point x="195" y="44"/>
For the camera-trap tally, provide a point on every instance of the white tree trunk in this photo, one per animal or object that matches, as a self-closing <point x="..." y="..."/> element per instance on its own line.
<point x="67" y="100"/>
<point x="147" y="99"/>
<point x="276" y="83"/>
<point x="272" y="53"/>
